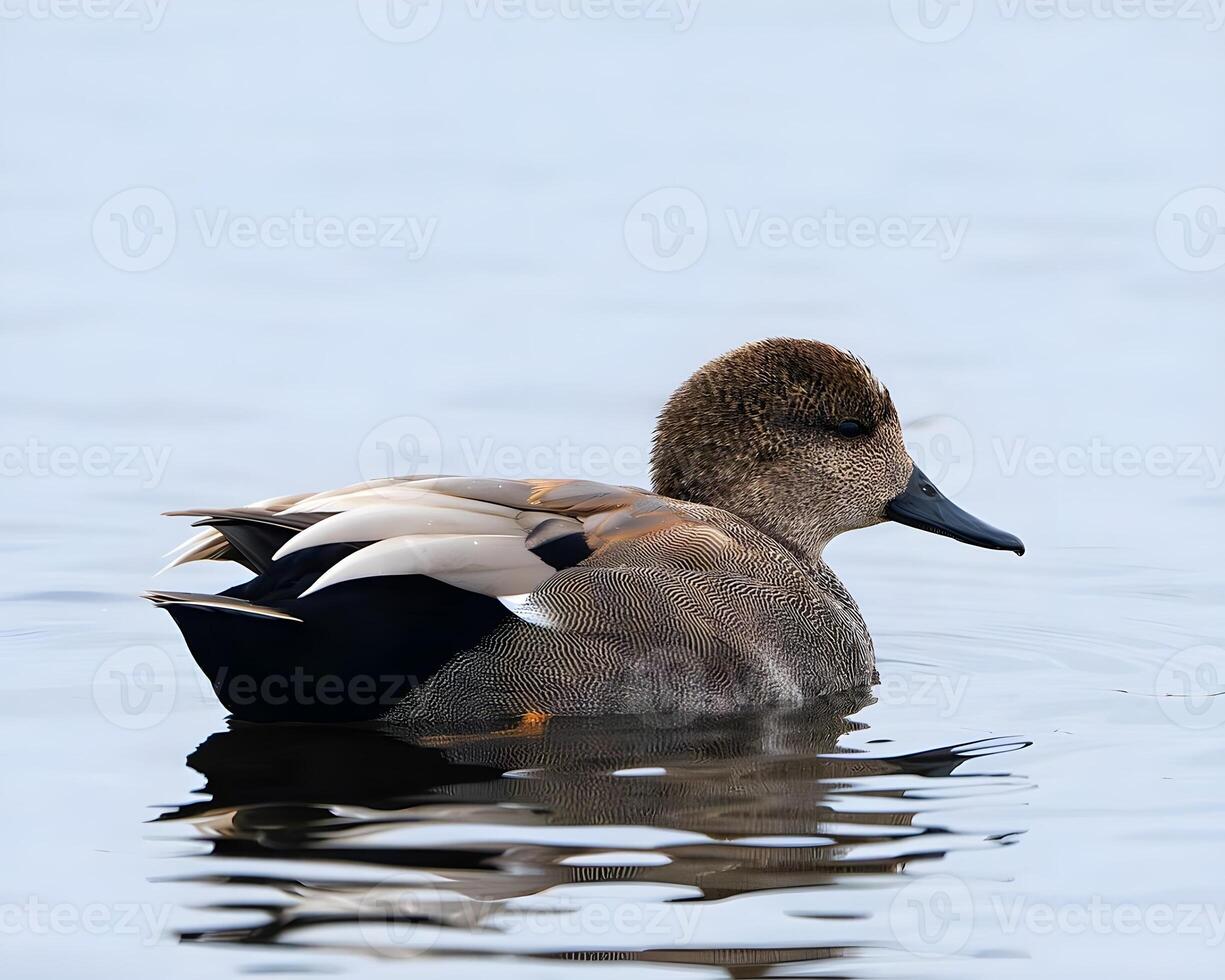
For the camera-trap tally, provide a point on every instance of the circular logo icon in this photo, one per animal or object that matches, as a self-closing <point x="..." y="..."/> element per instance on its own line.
<point x="400" y="21"/>
<point x="667" y="230"/>
<point x="1191" y="230"/>
<point x="932" y="21"/>
<point x="1190" y="687"/>
<point x="402" y="914"/>
<point x="135" y="687"/>
<point x="933" y="916"/>
<point x="405" y="446"/>
<point x="942" y="447"/>
<point x="135" y="230"/>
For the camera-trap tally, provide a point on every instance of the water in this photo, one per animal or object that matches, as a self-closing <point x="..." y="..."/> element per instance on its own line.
<point x="1036" y="789"/>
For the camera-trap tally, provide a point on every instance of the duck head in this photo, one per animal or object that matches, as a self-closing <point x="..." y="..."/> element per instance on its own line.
<point x="799" y="438"/>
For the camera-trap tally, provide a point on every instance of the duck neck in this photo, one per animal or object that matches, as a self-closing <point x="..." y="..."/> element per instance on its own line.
<point x="803" y="531"/>
<point x="779" y="502"/>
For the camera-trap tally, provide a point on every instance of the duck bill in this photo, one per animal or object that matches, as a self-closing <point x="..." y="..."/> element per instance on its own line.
<point x="921" y="505"/>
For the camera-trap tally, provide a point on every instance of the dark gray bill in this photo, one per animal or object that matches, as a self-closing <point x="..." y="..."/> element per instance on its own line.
<point x="921" y="505"/>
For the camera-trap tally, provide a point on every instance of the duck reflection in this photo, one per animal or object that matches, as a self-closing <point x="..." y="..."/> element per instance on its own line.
<point x="497" y="822"/>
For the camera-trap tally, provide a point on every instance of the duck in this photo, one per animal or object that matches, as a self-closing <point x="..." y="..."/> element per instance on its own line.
<point x="445" y="602"/>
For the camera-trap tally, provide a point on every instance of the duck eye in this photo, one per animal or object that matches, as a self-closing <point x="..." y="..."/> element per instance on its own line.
<point x="849" y="428"/>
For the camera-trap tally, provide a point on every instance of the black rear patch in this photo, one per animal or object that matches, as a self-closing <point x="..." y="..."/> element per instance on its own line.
<point x="361" y="647"/>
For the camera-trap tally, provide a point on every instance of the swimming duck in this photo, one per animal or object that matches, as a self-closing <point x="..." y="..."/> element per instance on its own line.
<point x="438" y="601"/>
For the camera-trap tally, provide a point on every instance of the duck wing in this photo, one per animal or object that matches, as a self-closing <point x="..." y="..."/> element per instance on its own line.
<point x="493" y="537"/>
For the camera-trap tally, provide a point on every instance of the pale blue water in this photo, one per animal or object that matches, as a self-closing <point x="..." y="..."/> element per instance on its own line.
<point x="1025" y="790"/>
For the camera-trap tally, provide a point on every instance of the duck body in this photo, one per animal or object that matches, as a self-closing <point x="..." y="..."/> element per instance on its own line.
<point x="638" y="603"/>
<point x="438" y="602"/>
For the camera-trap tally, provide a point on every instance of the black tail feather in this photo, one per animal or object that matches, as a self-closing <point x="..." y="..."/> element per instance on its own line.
<point x="253" y="535"/>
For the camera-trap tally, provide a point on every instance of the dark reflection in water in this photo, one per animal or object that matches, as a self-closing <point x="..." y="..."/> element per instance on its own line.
<point x="538" y="839"/>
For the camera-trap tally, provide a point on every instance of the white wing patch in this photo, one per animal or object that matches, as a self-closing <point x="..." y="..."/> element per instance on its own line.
<point x="492" y="564"/>
<point x="472" y="544"/>
<point x="379" y="521"/>
<point x="466" y="532"/>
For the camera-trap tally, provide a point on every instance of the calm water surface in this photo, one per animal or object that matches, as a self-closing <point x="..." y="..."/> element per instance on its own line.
<point x="1036" y="787"/>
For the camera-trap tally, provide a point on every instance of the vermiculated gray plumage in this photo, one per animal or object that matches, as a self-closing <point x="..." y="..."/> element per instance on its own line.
<point x="707" y="614"/>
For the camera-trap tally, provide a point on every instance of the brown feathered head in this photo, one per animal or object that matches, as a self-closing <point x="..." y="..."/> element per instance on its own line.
<point x="799" y="438"/>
